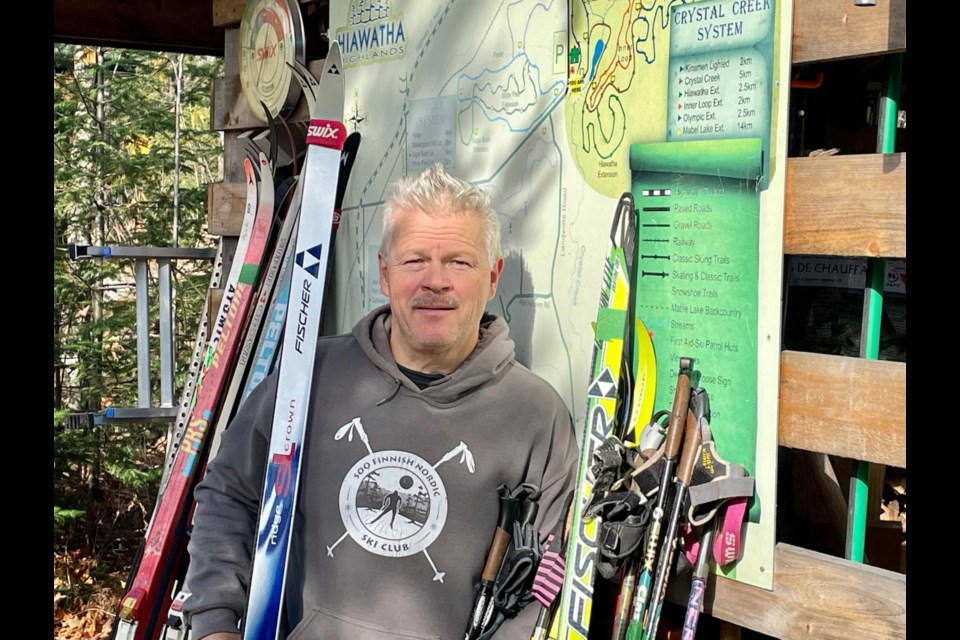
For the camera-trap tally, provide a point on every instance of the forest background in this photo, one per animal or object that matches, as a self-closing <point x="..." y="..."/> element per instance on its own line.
<point x="133" y="154"/>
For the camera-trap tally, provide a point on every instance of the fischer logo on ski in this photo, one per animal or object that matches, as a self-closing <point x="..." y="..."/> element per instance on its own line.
<point x="313" y="267"/>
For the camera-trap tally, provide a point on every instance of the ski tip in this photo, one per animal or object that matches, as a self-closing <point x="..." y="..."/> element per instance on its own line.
<point x="333" y="63"/>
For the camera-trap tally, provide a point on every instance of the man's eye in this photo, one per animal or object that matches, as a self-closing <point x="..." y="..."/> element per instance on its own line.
<point x="413" y="261"/>
<point x="461" y="263"/>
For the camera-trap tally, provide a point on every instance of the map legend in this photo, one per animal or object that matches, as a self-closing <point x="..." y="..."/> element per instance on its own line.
<point x="718" y="96"/>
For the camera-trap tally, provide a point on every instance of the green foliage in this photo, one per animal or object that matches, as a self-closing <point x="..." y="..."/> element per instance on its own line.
<point x="61" y="516"/>
<point x="120" y="180"/>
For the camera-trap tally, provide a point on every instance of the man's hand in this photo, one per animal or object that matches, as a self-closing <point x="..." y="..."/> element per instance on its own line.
<point x="222" y="635"/>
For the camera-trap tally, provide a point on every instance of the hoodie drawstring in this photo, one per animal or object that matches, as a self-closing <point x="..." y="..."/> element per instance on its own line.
<point x="396" y="390"/>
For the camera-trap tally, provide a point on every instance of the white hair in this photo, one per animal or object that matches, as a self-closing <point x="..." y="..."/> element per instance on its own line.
<point x="434" y="191"/>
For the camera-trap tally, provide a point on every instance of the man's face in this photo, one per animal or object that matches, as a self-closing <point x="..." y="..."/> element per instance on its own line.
<point x="438" y="278"/>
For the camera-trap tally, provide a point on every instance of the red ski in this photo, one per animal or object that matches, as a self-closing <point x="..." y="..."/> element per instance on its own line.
<point x="150" y="589"/>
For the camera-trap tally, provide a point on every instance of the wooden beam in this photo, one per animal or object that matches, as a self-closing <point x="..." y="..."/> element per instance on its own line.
<point x="850" y="407"/>
<point x="179" y="26"/>
<point x="833" y="30"/>
<point x="852" y="205"/>
<point x="228" y="13"/>
<point x="814" y="596"/>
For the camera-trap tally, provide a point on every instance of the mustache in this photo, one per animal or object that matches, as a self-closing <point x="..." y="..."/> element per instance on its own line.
<point x="433" y="300"/>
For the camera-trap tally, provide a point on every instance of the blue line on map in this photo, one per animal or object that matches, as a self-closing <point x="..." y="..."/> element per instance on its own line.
<point x="527" y="64"/>
<point x="597" y="52"/>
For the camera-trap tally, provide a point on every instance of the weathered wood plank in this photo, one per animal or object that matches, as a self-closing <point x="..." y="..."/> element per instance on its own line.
<point x="831" y="30"/>
<point x="231" y="62"/>
<point x="228" y="13"/>
<point x="852" y="205"/>
<point x="850" y="407"/>
<point x="814" y="596"/>
<point x="225" y="203"/>
<point x="214" y="298"/>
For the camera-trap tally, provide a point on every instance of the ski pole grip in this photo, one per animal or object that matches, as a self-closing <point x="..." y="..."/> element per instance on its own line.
<point x="691" y="449"/>
<point x="498" y="549"/>
<point x="678" y="414"/>
<point x="527" y="512"/>
<point x="508" y="513"/>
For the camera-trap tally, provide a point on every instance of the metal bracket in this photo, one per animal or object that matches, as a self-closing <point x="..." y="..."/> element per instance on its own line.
<point x="144" y="412"/>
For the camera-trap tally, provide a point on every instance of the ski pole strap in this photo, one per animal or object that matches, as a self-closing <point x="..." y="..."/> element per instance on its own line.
<point x="714" y="481"/>
<point x="620" y="540"/>
<point x="608" y="462"/>
<point x="691" y="543"/>
<point x="726" y="545"/>
<point x="512" y="589"/>
<point x="614" y="506"/>
<point x="646" y="477"/>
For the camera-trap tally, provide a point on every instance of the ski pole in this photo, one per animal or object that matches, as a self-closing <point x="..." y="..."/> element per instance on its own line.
<point x="678" y="414"/>
<point x="691" y="449"/>
<point x="498" y="548"/>
<point x="651" y="438"/>
<point x="698" y="585"/>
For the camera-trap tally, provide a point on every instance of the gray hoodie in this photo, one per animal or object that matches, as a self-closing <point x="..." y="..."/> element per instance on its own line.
<point x="398" y="494"/>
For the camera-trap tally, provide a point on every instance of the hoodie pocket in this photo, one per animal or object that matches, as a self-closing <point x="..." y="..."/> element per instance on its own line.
<point x="323" y="624"/>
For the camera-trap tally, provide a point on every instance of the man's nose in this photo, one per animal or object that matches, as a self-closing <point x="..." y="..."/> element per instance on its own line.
<point x="436" y="278"/>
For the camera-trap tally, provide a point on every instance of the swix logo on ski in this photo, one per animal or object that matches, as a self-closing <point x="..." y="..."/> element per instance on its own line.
<point x="326" y="133"/>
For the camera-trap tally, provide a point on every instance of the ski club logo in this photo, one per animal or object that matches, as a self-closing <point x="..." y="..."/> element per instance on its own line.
<point x="394" y="503"/>
<point x="326" y="133"/>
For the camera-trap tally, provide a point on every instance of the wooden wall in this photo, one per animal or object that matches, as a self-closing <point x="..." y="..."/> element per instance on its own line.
<point x="839" y="205"/>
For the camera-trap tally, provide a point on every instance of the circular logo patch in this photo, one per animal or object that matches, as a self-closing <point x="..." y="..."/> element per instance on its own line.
<point x="393" y="503"/>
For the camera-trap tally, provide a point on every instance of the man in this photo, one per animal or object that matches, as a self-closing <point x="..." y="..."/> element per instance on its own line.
<point x="443" y="414"/>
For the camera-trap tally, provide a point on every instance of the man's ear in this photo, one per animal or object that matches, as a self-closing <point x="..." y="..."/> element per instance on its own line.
<point x="495" y="277"/>
<point x="384" y="284"/>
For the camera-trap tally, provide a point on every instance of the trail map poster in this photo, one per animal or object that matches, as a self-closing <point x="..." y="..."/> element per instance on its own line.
<point x="547" y="105"/>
